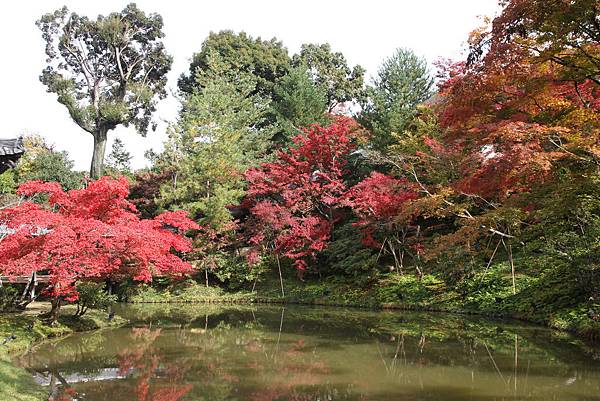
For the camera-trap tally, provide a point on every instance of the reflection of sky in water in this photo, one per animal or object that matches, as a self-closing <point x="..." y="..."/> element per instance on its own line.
<point x="45" y="378"/>
<point x="180" y="352"/>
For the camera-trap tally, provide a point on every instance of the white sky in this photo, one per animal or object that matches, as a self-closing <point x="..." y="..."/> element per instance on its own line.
<point x="364" y="31"/>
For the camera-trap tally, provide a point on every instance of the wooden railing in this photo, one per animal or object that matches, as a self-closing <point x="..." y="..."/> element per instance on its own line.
<point x="24" y="279"/>
<point x="31" y="282"/>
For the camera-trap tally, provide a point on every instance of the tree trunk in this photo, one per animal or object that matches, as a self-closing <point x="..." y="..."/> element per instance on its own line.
<point x="280" y="276"/>
<point x="396" y="262"/>
<point x="512" y="269"/>
<point x="33" y="285"/>
<point x="255" y="280"/>
<point x="98" y="155"/>
<point x="54" y="312"/>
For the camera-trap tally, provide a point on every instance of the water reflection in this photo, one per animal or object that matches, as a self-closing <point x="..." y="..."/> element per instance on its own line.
<point x="269" y="354"/>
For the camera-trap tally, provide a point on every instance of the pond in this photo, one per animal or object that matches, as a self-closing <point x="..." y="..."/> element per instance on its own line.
<point x="182" y="352"/>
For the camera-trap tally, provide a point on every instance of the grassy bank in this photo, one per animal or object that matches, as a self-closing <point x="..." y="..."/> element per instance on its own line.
<point x="546" y="300"/>
<point x="19" y="331"/>
<point x="187" y="291"/>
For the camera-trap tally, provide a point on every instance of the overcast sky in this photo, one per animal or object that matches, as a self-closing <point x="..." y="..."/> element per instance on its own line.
<point x="364" y="31"/>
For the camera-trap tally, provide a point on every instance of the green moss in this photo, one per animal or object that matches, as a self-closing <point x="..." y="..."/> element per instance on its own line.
<point x="186" y="291"/>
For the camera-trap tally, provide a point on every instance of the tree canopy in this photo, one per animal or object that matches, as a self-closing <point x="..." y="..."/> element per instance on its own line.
<point x="89" y="234"/>
<point x="331" y="73"/>
<point x="480" y="185"/>
<point x="219" y="136"/>
<point x="107" y="72"/>
<point x="298" y="103"/>
<point x="119" y="159"/>
<point x="228" y="55"/>
<point x="401" y="84"/>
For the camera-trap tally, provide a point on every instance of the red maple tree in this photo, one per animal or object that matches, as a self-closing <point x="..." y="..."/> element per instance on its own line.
<point x="89" y="234"/>
<point x="379" y="201"/>
<point x="527" y="99"/>
<point x="293" y="200"/>
<point x="143" y="357"/>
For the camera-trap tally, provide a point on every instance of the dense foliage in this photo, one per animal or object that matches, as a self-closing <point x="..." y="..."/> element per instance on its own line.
<point x="293" y="200"/>
<point x="331" y="73"/>
<point x="89" y="234"/>
<point x="402" y="83"/>
<point x="41" y="162"/>
<point x="481" y="185"/>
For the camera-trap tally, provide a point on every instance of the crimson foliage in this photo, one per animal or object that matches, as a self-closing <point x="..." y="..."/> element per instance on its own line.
<point x="294" y="199"/>
<point x="92" y="233"/>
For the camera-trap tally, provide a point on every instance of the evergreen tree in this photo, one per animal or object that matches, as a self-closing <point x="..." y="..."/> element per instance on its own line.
<point x="298" y="104"/>
<point x="401" y="84"/>
<point x="119" y="158"/>
<point x="107" y="72"/>
<point x="234" y="55"/>
<point x="217" y="138"/>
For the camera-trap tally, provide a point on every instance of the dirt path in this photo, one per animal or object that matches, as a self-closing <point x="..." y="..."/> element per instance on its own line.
<point x="35" y="308"/>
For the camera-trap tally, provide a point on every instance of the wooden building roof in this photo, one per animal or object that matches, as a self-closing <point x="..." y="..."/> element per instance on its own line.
<point x="10" y="152"/>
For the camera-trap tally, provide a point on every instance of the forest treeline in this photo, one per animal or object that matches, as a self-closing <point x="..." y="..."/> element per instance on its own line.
<point x="477" y="185"/>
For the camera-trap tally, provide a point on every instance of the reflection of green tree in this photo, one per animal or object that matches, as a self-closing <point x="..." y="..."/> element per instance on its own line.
<point x="176" y="313"/>
<point x="483" y="337"/>
<point x="80" y="353"/>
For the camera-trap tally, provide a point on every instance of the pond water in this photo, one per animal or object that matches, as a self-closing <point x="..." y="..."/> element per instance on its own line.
<point x="180" y="352"/>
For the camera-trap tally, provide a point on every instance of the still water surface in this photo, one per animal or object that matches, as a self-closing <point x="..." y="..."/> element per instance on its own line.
<point x="180" y="352"/>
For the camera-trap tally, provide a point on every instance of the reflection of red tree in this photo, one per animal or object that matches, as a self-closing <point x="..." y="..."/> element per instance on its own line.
<point x="288" y="373"/>
<point x="253" y="346"/>
<point x="296" y="348"/>
<point x="132" y="357"/>
<point x="216" y="371"/>
<point x="68" y="394"/>
<point x="143" y="357"/>
<point x="171" y="393"/>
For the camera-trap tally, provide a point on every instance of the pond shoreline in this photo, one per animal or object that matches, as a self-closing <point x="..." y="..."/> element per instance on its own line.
<point x="584" y="333"/>
<point x="20" y="331"/>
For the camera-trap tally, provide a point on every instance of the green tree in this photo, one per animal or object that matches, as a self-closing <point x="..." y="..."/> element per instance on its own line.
<point x="119" y="158"/>
<point x="233" y="55"/>
<point x="401" y="84"/>
<point x="106" y="72"/>
<point x="8" y="183"/>
<point x="217" y="138"/>
<point x="298" y="103"/>
<point x="330" y="71"/>
<point x="42" y="162"/>
<point x="54" y="166"/>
